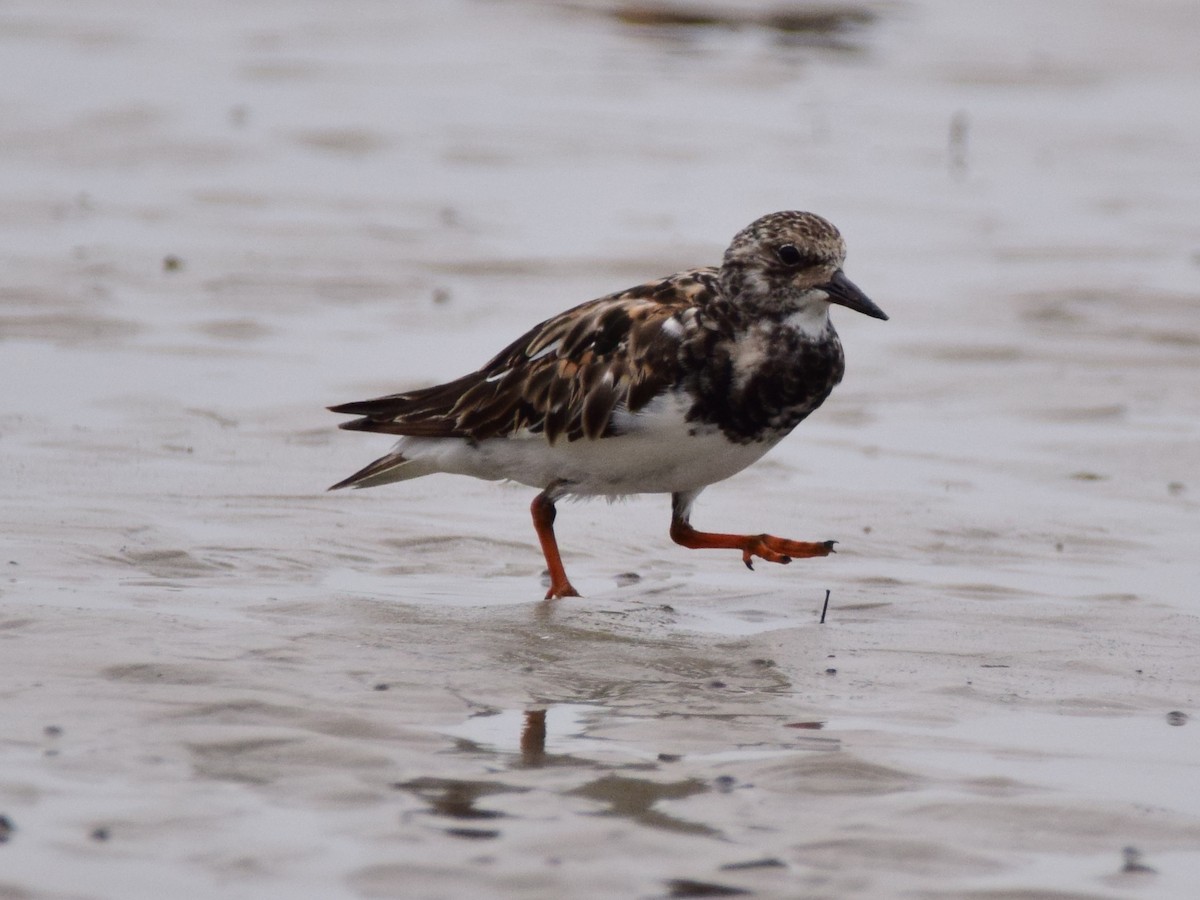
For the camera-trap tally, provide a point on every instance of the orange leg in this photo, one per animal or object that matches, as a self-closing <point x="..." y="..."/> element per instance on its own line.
<point x="764" y="546"/>
<point x="543" y="522"/>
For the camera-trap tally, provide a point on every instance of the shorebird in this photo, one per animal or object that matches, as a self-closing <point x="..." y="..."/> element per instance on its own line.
<point x="664" y="388"/>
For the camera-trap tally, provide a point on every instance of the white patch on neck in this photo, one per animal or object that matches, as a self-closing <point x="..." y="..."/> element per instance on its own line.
<point x="812" y="318"/>
<point x="749" y="352"/>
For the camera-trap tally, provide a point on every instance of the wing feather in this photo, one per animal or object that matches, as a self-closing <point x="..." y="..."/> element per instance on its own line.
<point x="563" y="378"/>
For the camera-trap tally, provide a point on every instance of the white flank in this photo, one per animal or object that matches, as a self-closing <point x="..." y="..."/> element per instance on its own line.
<point x="657" y="452"/>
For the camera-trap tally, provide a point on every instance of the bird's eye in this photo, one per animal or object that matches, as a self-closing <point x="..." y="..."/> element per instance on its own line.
<point x="790" y="256"/>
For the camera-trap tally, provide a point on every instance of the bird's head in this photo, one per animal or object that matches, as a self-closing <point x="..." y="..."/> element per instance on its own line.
<point x="789" y="264"/>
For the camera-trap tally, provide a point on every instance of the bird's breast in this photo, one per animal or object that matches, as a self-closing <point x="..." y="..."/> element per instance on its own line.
<point x="760" y="384"/>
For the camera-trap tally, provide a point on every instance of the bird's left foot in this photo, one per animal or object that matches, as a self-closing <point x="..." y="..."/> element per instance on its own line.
<point x="781" y="550"/>
<point x="764" y="546"/>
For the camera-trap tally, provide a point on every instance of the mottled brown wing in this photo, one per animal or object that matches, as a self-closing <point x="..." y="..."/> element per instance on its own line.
<point x="563" y="378"/>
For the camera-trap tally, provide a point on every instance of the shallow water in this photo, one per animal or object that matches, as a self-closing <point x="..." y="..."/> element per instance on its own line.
<point x="220" y="681"/>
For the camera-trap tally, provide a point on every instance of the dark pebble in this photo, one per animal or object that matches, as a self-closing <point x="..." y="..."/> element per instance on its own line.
<point x="686" y="887"/>
<point x="475" y="834"/>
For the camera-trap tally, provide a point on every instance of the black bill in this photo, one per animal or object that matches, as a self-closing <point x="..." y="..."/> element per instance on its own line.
<point x="844" y="292"/>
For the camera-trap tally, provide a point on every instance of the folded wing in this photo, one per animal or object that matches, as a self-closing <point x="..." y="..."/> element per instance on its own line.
<point x="562" y="379"/>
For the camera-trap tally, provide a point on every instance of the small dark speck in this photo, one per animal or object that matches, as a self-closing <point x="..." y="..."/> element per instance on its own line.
<point x="959" y="130"/>
<point x="1059" y="547"/>
<point x="725" y="783"/>
<point x="99" y="834"/>
<point x="1176" y="488"/>
<point x="473" y="833"/>
<point x="1175" y="717"/>
<point x="831" y="671"/>
<point x="686" y="887"/>
<point x="627" y="578"/>
<point x="441" y="296"/>
<point x="172" y="263"/>
<point x="52" y="731"/>
<point x="715" y="683"/>
<point x="867" y="529"/>
<point x="1137" y="671"/>
<point x="13" y="562"/>
<point x="1132" y="857"/>
<point x="6" y="828"/>
<point x="831" y="656"/>
<point x="382" y="686"/>
<point x="769" y="863"/>
<point x="667" y="608"/>
<point x="669" y="757"/>
<point x="763" y="663"/>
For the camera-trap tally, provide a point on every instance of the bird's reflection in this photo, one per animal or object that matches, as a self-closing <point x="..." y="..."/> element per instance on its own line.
<point x="533" y="738"/>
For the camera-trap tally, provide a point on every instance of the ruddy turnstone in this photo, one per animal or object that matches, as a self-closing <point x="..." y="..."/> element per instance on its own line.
<point x="666" y="387"/>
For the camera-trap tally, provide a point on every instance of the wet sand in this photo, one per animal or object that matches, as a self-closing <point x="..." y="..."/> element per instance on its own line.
<point x="220" y="681"/>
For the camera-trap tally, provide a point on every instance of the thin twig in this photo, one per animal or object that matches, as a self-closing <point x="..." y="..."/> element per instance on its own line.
<point x="825" y="608"/>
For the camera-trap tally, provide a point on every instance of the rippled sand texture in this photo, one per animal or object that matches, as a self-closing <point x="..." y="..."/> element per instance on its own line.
<point x="219" y="681"/>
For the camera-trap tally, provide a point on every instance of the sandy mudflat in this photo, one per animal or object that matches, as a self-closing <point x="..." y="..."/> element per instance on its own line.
<point x="218" y="681"/>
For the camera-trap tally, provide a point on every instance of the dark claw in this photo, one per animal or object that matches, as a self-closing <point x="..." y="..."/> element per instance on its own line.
<point x="785" y="560"/>
<point x="829" y="546"/>
<point x="750" y="564"/>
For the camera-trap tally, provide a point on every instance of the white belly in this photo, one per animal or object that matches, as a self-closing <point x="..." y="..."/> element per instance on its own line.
<point x="657" y="452"/>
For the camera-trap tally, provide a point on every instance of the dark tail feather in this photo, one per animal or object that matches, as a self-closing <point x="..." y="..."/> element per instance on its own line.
<point x="365" y="407"/>
<point x="429" y="412"/>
